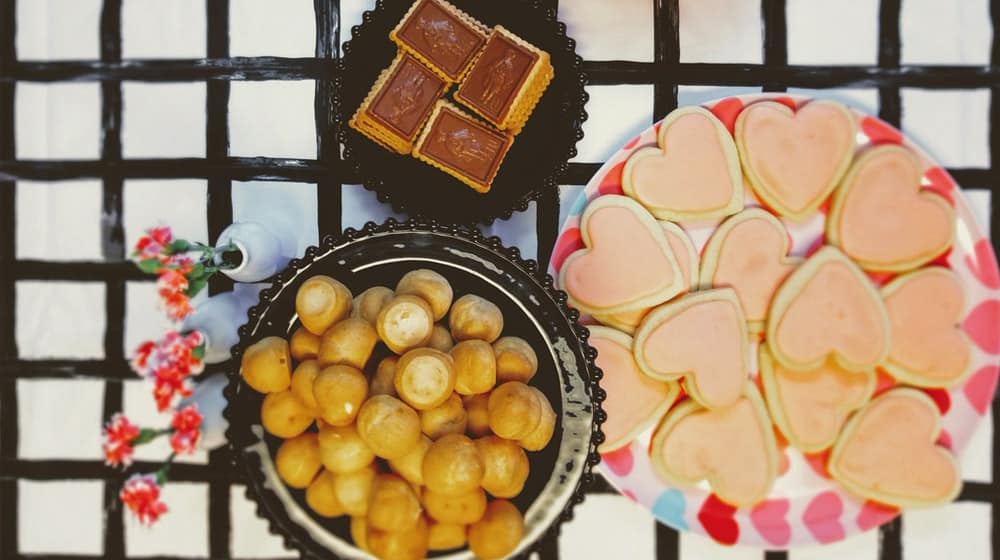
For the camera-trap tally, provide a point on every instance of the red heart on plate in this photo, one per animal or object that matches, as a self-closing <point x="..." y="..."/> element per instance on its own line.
<point x="716" y="517"/>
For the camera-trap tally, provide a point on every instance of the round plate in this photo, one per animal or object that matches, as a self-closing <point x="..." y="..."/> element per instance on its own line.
<point x="533" y="310"/>
<point x="538" y="156"/>
<point x="805" y="505"/>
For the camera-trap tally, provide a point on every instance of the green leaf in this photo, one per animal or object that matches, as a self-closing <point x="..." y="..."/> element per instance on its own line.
<point x="198" y="351"/>
<point x="196" y="285"/>
<point x="146" y="435"/>
<point x="149" y="266"/>
<point x="178" y="246"/>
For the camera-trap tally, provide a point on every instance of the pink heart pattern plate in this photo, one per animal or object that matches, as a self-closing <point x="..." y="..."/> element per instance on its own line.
<point x="806" y="506"/>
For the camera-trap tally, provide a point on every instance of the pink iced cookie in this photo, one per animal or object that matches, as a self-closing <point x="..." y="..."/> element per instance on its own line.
<point x="881" y="216"/>
<point x="794" y="159"/>
<point x="627" y="262"/>
<point x="929" y="347"/>
<point x="635" y="401"/>
<point x="749" y="253"/>
<point x="693" y="173"/>
<point x="701" y="337"/>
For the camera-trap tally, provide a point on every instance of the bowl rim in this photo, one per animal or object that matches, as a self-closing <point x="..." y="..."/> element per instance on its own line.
<point x="248" y="464"/>
<point x="575" y="111"/>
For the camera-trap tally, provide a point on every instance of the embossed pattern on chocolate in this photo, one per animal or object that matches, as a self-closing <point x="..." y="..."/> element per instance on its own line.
<point x="462" y="146"/>
<point x="440" y="34"/>
<point x="407" y="97"/>
<point x="497" y="77"/>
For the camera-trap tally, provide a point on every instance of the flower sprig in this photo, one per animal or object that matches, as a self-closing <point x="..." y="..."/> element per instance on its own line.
<point x="169" y="363"/>
<point x="141" y="492"/>
<point x="184" y="267"/>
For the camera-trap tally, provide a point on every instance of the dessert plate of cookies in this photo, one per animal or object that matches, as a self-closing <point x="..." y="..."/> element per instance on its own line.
<point x="796" y="316"/>
<point x="462" y="111"/>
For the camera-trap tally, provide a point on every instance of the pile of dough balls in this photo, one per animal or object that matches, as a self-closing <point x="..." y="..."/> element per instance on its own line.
<point x="409" y="446"/>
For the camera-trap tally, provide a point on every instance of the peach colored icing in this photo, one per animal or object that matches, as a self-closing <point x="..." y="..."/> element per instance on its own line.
<point x="891" y="450"/>
<point x="886" y="219"/>
<point x="680" y="249"/>
<point x="632" y="396"/>
<point x="706" y="343"/>
<point x="816" y="403"/>
<point x="752" y="261"/>
<point x="833" y="312"/>
<point x="923" y="312"/>
<point x="624" y="263"/>
<point x="692" y="174"/>
<point x="727" y="446"/>
<point x="796" y="156"/>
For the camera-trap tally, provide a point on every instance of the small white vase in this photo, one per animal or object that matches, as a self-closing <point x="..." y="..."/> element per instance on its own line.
<point x="261" y="249"/>
<point x="207" y="394"/>
<point x="219" y="317"/>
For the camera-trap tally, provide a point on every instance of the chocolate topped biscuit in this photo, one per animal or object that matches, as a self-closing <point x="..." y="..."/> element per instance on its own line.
<point x="506" y="80"/>
<point x="399" y="103"/>
<point x="462" y="146"/>
<point x="442" y="36"/>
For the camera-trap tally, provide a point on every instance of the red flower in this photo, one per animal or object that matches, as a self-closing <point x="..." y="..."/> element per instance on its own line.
<point x="151" y="245"/>
<point x="141" y="494"/>
<point x="118" y="436"/>
<point x="178" y="306"/>
<point x="168" y="382"/>
<point x="142" y="354"/>
<point x="187" y="429"/>
<point x="172" y="286"/>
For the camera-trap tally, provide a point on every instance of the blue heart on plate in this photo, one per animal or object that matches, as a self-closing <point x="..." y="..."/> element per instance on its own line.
<point x="669" y="508"/>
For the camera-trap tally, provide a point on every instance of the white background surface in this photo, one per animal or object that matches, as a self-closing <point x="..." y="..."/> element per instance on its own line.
<point x="59" y="221"/>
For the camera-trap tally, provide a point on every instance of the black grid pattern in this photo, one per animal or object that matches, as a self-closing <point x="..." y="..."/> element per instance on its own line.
<point x="665" y="73"/>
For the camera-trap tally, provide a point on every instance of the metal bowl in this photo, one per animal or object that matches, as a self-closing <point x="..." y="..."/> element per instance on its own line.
<point x="533" y="310"/>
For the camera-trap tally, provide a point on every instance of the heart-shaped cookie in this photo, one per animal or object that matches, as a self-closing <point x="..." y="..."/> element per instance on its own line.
<point x="810" y="407"/>
<point x="828" y="308"/>
<point x="701" y="337"/>
<point x="733" y="448"/>
<point x="626" y="263"/>
<point x="794" y="159"/>
<point x="887" y="452"/>
<point x="883" y="219"/>
<point x="693" y="173"/>
<point x="687" y="260"/>
<point x="749" y="253"/>
<point x="929" y="347"/>
<point x="634" y="400"/>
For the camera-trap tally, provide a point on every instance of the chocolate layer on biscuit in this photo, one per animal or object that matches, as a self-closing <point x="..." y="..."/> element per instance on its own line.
<point x="436" y="31"/>
<point x="407" y="97"/>
<point x="498" y="75"/>
<point x="462" y="143"/>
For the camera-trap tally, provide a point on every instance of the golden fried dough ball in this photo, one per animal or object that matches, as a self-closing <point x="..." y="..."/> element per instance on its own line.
<point x="342" y="449"/>
<point x="448" y="418"/>
<point x="514" y="410"/>
<point x="516" y="359"/>
<point x="369" y="303"/>
<point x="424" y="378"/>
<point x="475" y="317"/>
<point x="321" y="497"/>
<point x="303" y="345"/>
<point x="392" y="506"/>
<point x="461" y="509"/>
<point x="302" y="384"/>
<point x="340" y="390"/>
<point x="384" y="380"/>
<point x="349" y="342"/>
<point x="354" y="489"/>
<point x="498" y="533"/>
<point x="505" y="466"/>
<point x="452" y="465"/>
<point x="389" y="427"/>
<point x="440" y="339"/>
<point x="297" y="460"/>
<point x="446" y="536"/>
<point x="405" y="322"/>
<point x="475" y="367"/>
<point x="284" y="415"/>
<point x="359" y="532"/>
<point x="410" y="544"/>
<point x="267" y="366"/>
<point x="540" y="436"/>
<point x="410" y="466"/>
<point x="322" y="301"/>
<point x="430" y="286"/>
<point x="477" y="411"/>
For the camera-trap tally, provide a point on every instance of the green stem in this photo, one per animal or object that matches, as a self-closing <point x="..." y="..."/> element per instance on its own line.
<point x="161" y="475"/>
<point x="147" y="435"/>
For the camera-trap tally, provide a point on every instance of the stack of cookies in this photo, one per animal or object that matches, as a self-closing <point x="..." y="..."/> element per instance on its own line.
<point x="499" y="77"/>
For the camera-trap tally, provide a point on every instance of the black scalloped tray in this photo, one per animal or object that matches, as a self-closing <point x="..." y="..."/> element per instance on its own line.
<point x="533" y="309"/>
<point x="540" y="152"/>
